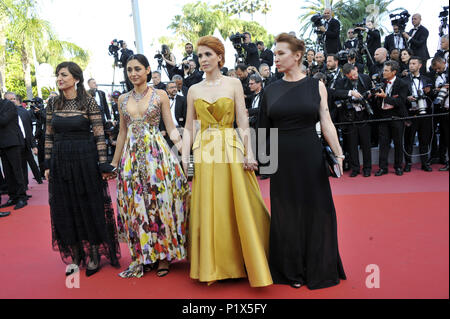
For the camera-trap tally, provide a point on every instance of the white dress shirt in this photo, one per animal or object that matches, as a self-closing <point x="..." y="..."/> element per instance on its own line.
<point x="173" y="102"/>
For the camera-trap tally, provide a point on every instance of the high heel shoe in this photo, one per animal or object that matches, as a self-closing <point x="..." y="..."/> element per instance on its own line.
<point x="296" y="285"/>
<point x="90" y="272"/>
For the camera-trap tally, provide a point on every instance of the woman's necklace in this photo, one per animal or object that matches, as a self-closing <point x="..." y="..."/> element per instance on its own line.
<point x="215" y="82"/>
<point x="138" y="96"/>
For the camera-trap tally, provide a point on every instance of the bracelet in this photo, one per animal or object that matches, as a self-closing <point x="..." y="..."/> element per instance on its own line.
<point x="340" y="156"/>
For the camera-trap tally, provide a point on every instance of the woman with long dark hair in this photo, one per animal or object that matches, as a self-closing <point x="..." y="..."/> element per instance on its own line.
<point x="303" y="245"/>
<point x="152" y="190"/>
<point x="82" y="216"/>
<point x="405" y="56"/>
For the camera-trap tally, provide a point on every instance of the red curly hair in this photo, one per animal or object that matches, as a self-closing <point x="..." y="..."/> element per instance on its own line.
<point x="214" y="44"/>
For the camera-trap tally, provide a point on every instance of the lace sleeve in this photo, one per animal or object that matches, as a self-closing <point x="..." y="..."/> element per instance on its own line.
<point x="95" y="117"/>
<point x="48" y="133"/>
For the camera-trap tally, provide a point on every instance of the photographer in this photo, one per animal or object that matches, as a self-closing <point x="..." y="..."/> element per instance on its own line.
<point x="351" y="59"/>
<point x="354" y="90"/>
<point x="190" y="55"/>
<point x="266" y="55"/>
<point x="419" y="103"/>
<point x="126" y="53"/>
<point x="331" y="30"/>
<point x="443" y="52"/>
<point x="380" y="58"/>
<point x="100" y="98"/>
<point x="266" y="75"/>
<point x="352" y="41"/>
<point x="252" y="56"/>
<point x="241" y="72"/>
<point x="441" y="104"/>
<point x="156" y="79"/>
<point x="417" y="39"/>
<point x="320" y="65"/>
<point x="395" y="40"/>
<point x="333" y="73"/>
<point x="391" y="102"/>
<point x="190" y="73"/>
<point x="169" y="58"/>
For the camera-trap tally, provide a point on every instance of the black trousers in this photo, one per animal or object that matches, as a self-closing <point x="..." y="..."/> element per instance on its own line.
<point x="359" y="135"/>
<point x="41" y="156"/>
<point x="3" y="185"/>
<point x="11" y="161"/>
<point x="424" y="129"/>
<point x="391" y="131"/>
<point x="28" y="159"/>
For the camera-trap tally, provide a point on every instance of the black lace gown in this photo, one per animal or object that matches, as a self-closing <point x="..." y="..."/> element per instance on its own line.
<point x="303" y="233"/>
<point x="82" y="215"/>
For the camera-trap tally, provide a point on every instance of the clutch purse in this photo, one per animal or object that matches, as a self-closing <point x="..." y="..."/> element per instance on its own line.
<point x="332" y="162"/>
<point x="190" y="172"/>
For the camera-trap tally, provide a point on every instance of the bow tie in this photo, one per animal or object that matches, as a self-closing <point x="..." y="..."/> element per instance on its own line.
<point x="416" y="77"/>
<point x="388" y="82"/>
<point x="171" y="98"/>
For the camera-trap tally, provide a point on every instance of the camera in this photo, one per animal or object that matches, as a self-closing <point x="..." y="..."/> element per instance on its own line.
<point x="317" y="20"/>
<point x="400" y="19"/>
<point x="35" y="103"/>
<point x="343" y="57"/>
<point x="444" y="13"/>
<point x="420" y="104"/>
<point x="238" y="39"/>
<point x="114" y="48"/>
<point x="442" y="97"/>
<point x="359" y="25"/>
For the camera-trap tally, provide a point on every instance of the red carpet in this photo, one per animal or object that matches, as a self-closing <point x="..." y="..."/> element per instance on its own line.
<point x="400" y="224"/>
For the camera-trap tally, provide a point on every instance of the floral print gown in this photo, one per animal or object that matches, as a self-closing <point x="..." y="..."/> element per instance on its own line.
<point x="153" y="193"/>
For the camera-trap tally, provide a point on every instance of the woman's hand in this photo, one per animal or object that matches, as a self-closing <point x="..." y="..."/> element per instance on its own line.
<point x="250" y="164"/>
<point x="110" y="175"/>
<point x="47" y="174"/>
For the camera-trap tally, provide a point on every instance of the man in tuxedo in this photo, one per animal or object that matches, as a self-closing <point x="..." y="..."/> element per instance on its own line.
<point x="156" y="79"/>
<point x="266" y="75"/>
<point x="266" y="55"/>
<point x="391" y="103"/>
<point x="182" y="89"/>
<point x="418" y="82"/>
<point x="443" y="52"/>
<point x="351" y="59"/>
<point x="395" y="40"/>
<point x="252" y="56"/>
<point x="352" y="87"/>
<point x="380" y="58"/>
<point x="373" y="39"/>
<point x="178" y="109"/>
<point x="331" y="30"/>
<point x="242" y="73"/>
<point x="190" y="55"/>
<point x="320" y="64"/>
<point x="29" y="148"/>
<point x="126" y="53"/>
<point x="190" y="73"/>
<point x="255" y="84"/>
<point x="417" y="40"/>
<point x="100" y="98"/>
<point x="352" y="41"/>
<point x="11" y="143"/>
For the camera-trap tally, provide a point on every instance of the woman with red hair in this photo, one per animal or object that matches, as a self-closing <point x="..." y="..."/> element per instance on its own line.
<point x="229" y="222"/>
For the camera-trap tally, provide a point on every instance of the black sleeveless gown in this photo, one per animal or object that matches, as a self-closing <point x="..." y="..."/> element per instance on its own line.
<point x="303" y="232"/>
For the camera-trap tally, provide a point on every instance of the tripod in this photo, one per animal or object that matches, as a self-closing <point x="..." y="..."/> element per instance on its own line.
<point x="320" y="43"/>
<point x="363" y="50"/>
<point x="161" y="66"/>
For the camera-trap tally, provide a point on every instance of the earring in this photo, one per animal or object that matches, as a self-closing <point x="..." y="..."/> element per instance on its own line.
<point x="76" y="83"/>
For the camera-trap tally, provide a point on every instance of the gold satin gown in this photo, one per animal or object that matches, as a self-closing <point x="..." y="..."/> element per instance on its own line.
<point x="229" y="222"/>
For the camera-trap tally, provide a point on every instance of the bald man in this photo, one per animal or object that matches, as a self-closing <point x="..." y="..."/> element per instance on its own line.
<point x="417" y="39"/>
<point x="380" y="56"/>
<point x="331" y="30"/>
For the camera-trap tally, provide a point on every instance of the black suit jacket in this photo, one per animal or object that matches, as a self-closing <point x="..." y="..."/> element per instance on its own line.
<point x="267" y="57"/>
<point x="180" y="112"/>
<point x="351" y="44"/>
<point x="426" y="81"/>
<point x="389" y="42"/>
<point x="103" y="106"/>
<point x="418" y="43"/>
<point x="28" y="127"/>
<point x="194" y="78"/>
<point x="373" y="41"/>
<point x="252" y="54"/>
<point x="397" y="98"/>
<point x="195" y="58"/>
<point x="332" y="41"/>
<point x="344" y="85"/>
<point x="10" y="134"/>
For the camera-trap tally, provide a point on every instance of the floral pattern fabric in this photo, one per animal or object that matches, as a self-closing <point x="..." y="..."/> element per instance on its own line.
<point x="153" y="193"/>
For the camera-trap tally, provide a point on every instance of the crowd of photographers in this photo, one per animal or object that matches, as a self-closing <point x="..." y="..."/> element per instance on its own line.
<point x="378" y="96"/>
